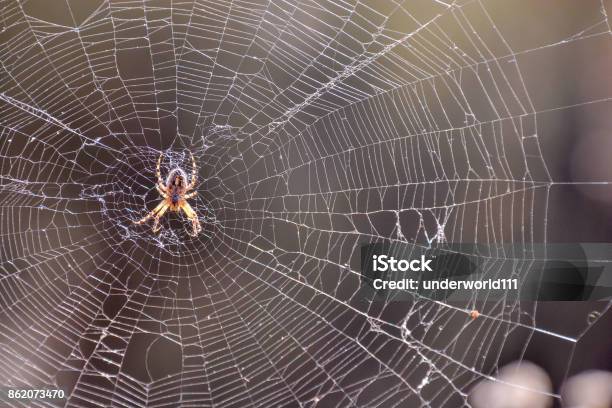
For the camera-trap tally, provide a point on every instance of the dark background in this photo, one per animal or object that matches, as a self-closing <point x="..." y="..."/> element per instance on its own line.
<point x="317" y="127"/>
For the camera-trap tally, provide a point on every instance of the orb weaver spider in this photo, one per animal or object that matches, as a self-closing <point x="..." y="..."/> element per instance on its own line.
<point x="175" y="193"/>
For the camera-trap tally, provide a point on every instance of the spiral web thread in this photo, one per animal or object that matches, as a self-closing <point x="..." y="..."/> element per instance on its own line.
<point x="317" y="127"/>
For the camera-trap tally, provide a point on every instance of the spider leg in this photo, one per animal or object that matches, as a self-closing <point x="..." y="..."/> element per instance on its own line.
<point x="160" y="213"/>
<point x="161" y="190"/>
<point x="193" y="217"/>
<point x="190" y="195"/>
<point x="194" y="173"/>
<point x="151" y="213"/>
<point x="158" y="170"/>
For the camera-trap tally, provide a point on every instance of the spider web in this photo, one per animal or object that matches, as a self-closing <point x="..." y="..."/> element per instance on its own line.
<point x="317" y="127"/>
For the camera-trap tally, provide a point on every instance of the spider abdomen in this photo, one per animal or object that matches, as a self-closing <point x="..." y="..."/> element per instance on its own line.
<point x="175" y="197"/>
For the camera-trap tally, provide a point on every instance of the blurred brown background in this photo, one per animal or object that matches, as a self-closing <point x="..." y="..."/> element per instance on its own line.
<point x="317" y="126"/>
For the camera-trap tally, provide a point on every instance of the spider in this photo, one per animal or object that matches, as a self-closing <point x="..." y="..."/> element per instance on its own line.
<point x="474" y="314"/>
<point x="175" y="193"/>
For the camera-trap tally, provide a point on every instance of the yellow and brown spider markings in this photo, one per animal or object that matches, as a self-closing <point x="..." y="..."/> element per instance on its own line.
<point x="174" y="192"/>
